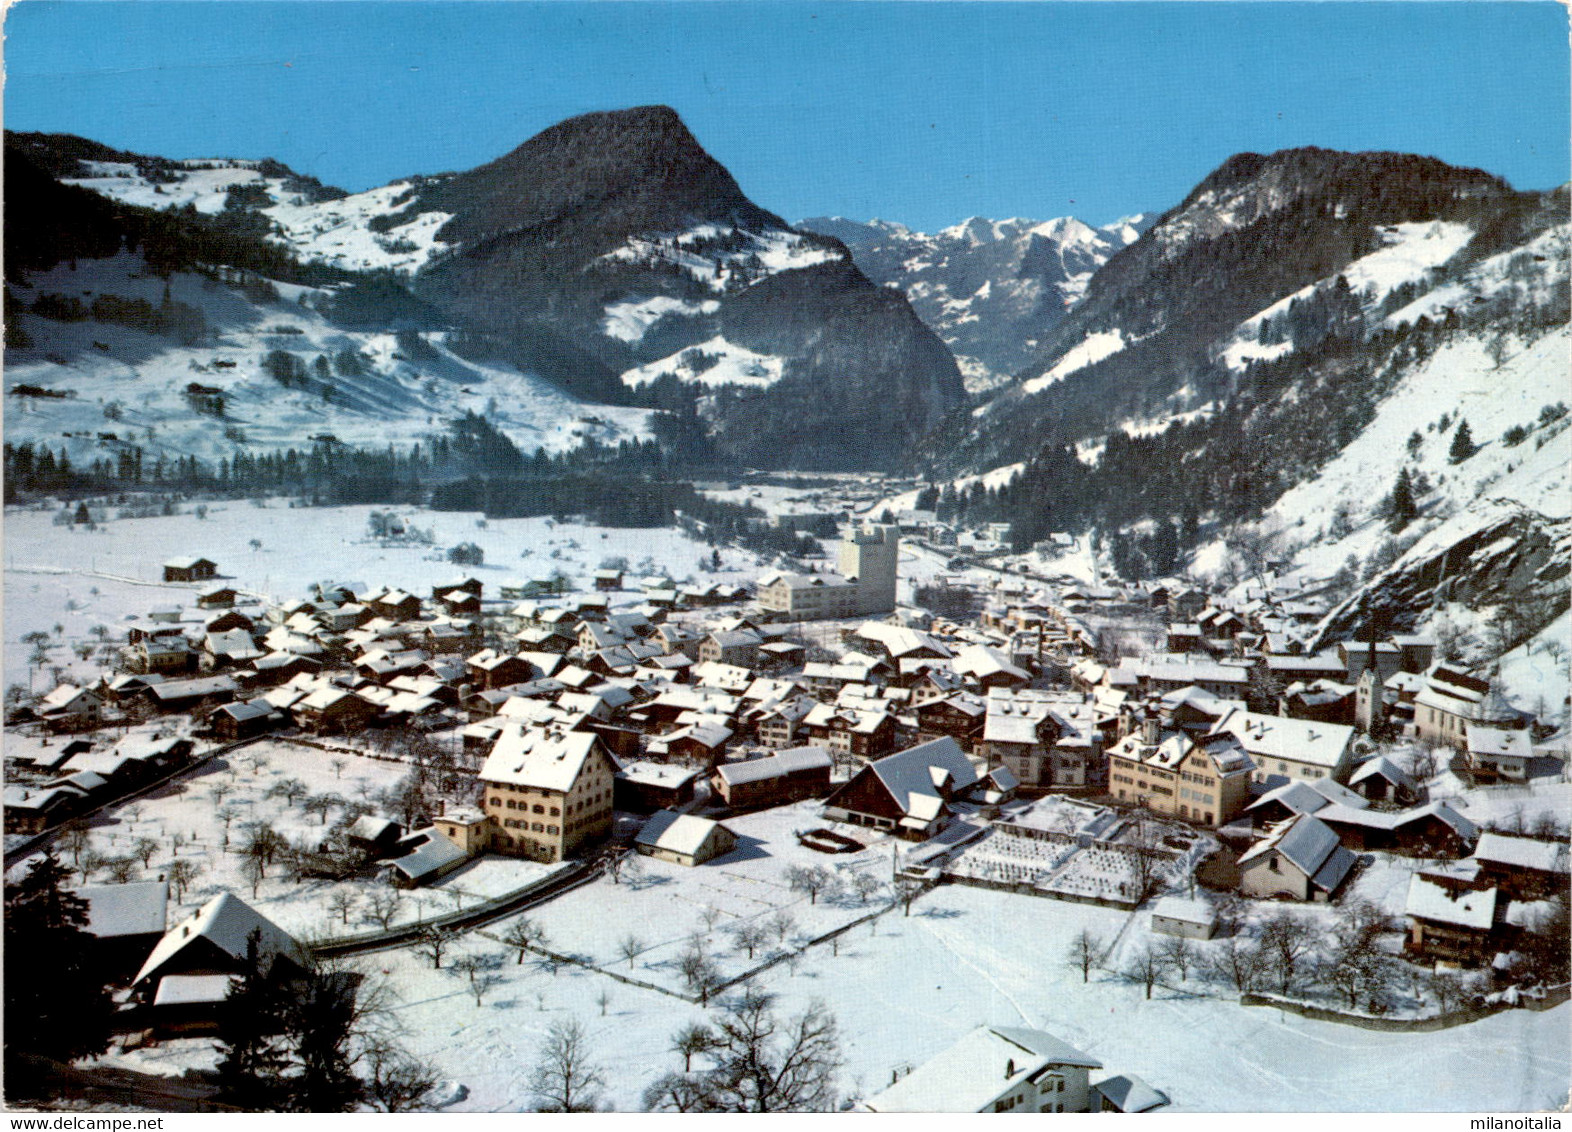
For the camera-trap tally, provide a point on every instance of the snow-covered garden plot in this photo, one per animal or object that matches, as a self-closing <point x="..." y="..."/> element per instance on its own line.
<point x="206" y="818"/>
<point x="668" y="908"/>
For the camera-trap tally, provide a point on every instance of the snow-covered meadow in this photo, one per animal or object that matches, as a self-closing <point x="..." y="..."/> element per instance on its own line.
<point x="906" y="987"/>
<point x="78" y="578"/>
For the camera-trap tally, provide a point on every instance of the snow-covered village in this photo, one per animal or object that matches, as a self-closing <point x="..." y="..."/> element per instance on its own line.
<point x="558" y="637"/>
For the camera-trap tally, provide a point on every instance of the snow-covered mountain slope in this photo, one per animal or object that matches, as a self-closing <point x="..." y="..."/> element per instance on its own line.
<point x="990" y="288"/>
<point x="369" y="389"/>
<point x="366" y="231"/>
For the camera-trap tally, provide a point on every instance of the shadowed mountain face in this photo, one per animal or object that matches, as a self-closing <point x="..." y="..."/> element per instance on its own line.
<point x="610" y="254"/>
<point x="615" y="239"/>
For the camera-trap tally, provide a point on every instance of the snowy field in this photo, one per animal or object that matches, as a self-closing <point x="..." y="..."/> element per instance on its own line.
<point x="908" y="987"/>
<point x="78" y="578"/>
<point x="666" y="905"/>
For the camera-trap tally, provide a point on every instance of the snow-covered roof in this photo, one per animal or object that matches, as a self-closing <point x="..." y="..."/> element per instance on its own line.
<point x="1189" y="910"/>
<point x="191" y="990"/>
<point x="434" y="853"/>
<point x="676" y="832"/>
<point x="536" y="759"/>
<point x="909" y="775"/>
<point x="1522" y="852"/>
<point x="1294" y="740"/>
<point x="1465" y="908"/>
<point x="975" y="1071"/>
<point x="1129" y="1093"/>
<point x="1499" y="742"/>
<point x="126" y="909"/>
<point x="1381" y="767"/>
<point x="225" y="921"/>
<point x="783" y="762"/>
<point x="657" y="774"/>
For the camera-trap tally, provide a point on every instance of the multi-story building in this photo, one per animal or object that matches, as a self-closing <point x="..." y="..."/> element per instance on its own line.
<point x="1205" y="781"/>
<point x="547" y="794"/>
<point x="869" y="555"/>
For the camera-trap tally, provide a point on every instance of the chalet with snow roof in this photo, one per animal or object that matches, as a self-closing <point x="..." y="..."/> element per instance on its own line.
<point x="779" y="726"/>
<point x="546" y="794"/>
<point x="1526" y="868"/>
<point x="910" y="792"/>
<point x="1450" y="921"/>
<point x="703" y="741"/>
<point x="492" y="669"/>
<point x="1497" y="754"/>
<point x="190" y="695"/>
<point x="644" y="787"/>
<point x="213" y="940"/>
<point x="230" y="722"/>
<point x="1301" y="859"/>
<point x="329" y="711"/>
<point x="1381" y="780"/>
<point x="684" y="839"/>
<point x="608" y="579"/>
<point x="68" y="702"/>
<point x="962" y="716"/>
<point x="32" y="809"/>
<point x="1324" y="701"/>
<point x="189" y="568"/>
<point x="787" y="776"/>
<point x="995" y="1069"/>
<point x="394" y="604"/>
<point x="217" y="597"/>
<point x="984" y="668"/>
<point x="865" y="733"/>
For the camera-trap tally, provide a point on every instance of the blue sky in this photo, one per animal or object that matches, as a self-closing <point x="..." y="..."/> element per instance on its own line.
<point x="920" y="112"/>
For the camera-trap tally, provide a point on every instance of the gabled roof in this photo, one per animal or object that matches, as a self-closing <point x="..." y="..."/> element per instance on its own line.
<point x="975" y="1071"/>
<point x="1522" y="852"/>
<point x="1128" y="1093"/>
<point x="1294" y="740"/>
<point x="433" y="853"/>
<point x="1466" y="908"/>
<point x="536" y="759"/>
<point x="676" y="832"/>
<point x="226" y="921"/>
<point x="783" y="762"/>
<point x="115" y="910"/>
<point x="909" y="775"/>
<point x="1381" y="767"/>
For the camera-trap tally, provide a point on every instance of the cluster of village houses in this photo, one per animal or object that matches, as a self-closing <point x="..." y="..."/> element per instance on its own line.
<point x="650" y="698"/>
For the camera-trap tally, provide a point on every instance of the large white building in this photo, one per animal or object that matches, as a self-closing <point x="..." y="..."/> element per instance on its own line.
<point x="868" y="558"/>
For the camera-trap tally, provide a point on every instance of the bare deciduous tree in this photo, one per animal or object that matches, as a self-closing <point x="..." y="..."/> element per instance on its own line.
<point x="181" y="873"/>
<point x="1178" y="954"/>
<point x="1085" y="952"/>
<point x="381" y="906"/>
<point x="1145" y="966"/>
<point x="433" y="943"/>
<point x="1285" y="941"/>
<point x="343" y="902"/>
<point x="629" y="946"/>
<point x="566" y="1078"/>
<point x="761" y="1063"/>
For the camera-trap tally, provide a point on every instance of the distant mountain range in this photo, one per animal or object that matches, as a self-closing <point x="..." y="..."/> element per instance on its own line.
<point x="991" y="289"/>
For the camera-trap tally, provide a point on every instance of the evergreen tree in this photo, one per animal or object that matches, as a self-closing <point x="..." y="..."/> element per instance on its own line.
<point x="1400" y="506"/>
<point x="56" y="1003"/>
<point x="251" y="1036"/>
<point x="322" y="1021"/>
<point x="1463" y="445"/>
